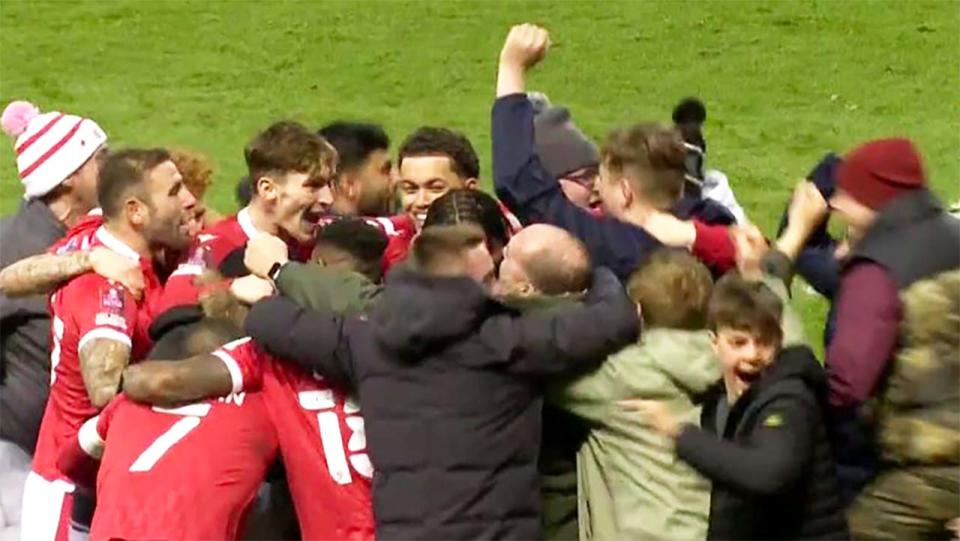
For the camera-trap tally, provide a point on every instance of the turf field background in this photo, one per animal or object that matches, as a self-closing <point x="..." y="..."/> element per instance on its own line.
<point x="784" y="82"/>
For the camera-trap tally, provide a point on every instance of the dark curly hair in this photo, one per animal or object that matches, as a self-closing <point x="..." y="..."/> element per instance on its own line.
<point x="431" y="141"/>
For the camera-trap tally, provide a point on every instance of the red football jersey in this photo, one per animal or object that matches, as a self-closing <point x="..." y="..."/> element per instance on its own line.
<point x="212" y="246"/>
<point x="322" y="441"/>
<point x="88" y="307"/>
<point x="81" y="235"/>
<point x="182" y="473"/>
<point x="513" y="223"/>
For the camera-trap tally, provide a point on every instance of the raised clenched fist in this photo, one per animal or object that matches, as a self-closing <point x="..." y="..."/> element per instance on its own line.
<point x="808" y="207"/>
<point x="526" y="44"/>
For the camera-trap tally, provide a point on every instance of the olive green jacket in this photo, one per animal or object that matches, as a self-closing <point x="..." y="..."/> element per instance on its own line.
<point x="631" y="484"/>
<point x="323" y="288"/>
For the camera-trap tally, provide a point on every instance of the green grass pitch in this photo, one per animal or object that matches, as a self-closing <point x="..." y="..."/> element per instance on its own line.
<point x="784" y="82"/>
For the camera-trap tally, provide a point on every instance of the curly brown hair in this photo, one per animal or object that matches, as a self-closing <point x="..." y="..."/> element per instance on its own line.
<point x="196" y="170"/>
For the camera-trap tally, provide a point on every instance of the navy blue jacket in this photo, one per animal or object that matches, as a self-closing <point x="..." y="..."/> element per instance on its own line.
<point x="531" y="193"/>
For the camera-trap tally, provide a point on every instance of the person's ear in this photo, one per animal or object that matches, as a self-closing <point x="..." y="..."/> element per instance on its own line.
<point x="528" y="290"/>
<point x="353" y="187"/>
<point x="266" y="188"/>
<point x="715" y="342"/>
<point x="626" y="191"/>
<point x="136" y="211"/>
<point x="470" y="184"/>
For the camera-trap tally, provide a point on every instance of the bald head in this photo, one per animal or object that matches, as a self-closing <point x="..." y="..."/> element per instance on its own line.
<point x="547" y="260"/>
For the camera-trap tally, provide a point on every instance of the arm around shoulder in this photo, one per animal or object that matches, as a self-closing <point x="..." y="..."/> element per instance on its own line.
<point x="314" y="340"/>
<point x="577" y="339"/>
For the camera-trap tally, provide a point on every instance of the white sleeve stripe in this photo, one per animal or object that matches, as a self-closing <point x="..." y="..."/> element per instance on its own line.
<point x="104" y="332"/>
<point x="236" y="376"/>
<point x="89" y="438"/>
<point x="187" y="270"/>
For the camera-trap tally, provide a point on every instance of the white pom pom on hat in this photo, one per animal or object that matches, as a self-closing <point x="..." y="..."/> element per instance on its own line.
<point x="49" y="146"/>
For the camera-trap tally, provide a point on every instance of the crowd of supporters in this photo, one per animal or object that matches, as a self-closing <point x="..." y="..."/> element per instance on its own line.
<point x="373" y="347"/>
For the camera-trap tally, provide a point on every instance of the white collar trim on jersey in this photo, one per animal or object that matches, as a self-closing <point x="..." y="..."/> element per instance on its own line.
<point x="246" y="223"/>
<point x="116" y="244"/>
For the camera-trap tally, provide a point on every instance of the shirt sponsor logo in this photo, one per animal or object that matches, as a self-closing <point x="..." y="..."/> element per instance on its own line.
<point x="111" y="320"/>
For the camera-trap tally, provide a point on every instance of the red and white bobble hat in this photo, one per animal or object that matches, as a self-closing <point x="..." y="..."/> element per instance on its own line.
<point x="49" y="146"/>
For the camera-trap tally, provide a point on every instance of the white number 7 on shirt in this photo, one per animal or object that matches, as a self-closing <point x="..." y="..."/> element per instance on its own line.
<point x="149" y="457"/>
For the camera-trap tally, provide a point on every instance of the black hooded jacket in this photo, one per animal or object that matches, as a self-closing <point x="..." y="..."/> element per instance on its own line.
<point x="771" y="467"/>
<point x="448" y="382"/>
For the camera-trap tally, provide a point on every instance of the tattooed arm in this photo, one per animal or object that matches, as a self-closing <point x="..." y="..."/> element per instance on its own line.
<point x="165" y="383"/>
<point x="42" y="273"/>
<point x="102" y="361"/>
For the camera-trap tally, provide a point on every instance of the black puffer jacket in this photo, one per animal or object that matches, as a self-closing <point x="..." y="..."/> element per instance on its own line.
<point x="772" y="468"/>
<point x="448" y="383"/>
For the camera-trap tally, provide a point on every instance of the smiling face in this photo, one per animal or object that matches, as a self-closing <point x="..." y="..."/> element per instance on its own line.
<point x="581" y="188"/>
<point x="297" y="202"/>
<point x="743" y="356"/>
<point x="856" y="215"/>
<point x="423" y="180"/>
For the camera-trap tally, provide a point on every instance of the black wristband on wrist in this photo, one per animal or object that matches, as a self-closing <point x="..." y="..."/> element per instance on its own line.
<point x="274" y="271"/>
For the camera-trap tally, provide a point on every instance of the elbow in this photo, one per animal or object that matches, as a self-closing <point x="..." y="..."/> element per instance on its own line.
<point x="102" y="396"/>
<point x="772" y="478"/>
<point x="151" y="389"/>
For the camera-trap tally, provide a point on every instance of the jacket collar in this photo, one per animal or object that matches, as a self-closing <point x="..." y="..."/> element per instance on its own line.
<point x="41" y="219"/>
<point x="906" y="210"/>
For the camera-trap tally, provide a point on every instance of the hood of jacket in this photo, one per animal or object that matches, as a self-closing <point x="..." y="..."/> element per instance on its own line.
<point x="416" y="313"/>
<point x="699" y="369"/>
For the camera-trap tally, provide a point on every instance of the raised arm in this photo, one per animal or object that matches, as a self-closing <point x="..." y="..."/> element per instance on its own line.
<point x="526" y="187"/>
<point x="570" y="341"/>
<point x="42" y="273"/>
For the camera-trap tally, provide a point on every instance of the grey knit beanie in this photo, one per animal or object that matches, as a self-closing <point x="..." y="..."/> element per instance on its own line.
<point x="561" y="146"/>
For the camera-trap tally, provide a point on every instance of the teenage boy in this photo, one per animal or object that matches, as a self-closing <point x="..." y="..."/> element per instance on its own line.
<point x="762" y="439"/>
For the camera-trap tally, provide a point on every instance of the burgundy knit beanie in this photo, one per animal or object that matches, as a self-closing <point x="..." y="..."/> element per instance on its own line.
<point x="878" y="172"/>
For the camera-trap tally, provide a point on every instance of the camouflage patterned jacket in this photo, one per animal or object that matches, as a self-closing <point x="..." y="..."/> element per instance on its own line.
<point x="918" y="420"/>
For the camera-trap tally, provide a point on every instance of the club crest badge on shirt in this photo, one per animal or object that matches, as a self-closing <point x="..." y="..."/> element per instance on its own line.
<point x="71" y="246"/>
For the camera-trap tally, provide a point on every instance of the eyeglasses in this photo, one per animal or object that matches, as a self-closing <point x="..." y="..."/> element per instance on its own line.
<point x="585" y="177"/>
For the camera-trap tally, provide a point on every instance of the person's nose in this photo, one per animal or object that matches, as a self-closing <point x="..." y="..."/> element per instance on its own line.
<point x="187" y="199"/>
<point x="325" y="196"/>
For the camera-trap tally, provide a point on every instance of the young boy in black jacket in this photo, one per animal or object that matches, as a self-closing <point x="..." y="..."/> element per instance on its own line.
<point x="763" y="441"/>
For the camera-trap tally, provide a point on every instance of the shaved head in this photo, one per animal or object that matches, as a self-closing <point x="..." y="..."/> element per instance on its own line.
<point x="546" y="260"/>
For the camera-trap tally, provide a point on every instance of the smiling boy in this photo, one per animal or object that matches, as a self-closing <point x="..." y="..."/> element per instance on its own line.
<point x="762" y="440"/>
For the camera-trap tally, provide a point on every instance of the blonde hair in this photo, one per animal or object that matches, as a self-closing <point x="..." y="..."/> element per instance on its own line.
<point x="673" y="289"/>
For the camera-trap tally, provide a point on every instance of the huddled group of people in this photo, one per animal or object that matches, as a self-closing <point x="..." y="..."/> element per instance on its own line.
<point x="374" y="347"/>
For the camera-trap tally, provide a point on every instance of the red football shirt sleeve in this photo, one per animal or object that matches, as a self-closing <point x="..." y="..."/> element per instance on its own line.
<point x="714" y="246"/>
<point x="101" y="309"/>
<point x="244" y="361"/>
<point x="400" y="231"/>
